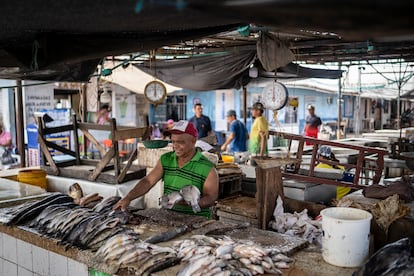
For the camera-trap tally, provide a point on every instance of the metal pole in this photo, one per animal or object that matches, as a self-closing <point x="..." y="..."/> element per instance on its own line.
<point x="399" y="100"/>
<point x="20" y="123"/>
<point x="338" y="130"/>
<point x="358" y="103"/>
<point x="245" y="105"/>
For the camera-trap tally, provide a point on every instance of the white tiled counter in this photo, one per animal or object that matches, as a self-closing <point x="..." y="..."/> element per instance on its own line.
<point x="23" y="253"/>
<point x="26" y="253"/>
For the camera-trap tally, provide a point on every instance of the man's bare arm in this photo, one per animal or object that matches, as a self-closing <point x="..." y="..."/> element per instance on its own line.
<point x="141" y="188"/>
<point x="210" y="190"/>
<point x="228" y="141"/>
<point x="262" y="143"/>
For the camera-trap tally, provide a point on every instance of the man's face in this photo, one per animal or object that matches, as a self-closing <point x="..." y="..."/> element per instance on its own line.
<point x="256" y="113"/>
<point x="183" y="144"/>
<point x="311" y="111"/>
<point x="229" y="119"/>
<point x="198" y="110"/>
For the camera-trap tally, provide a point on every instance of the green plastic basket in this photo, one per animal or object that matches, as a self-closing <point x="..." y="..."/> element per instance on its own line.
<point x="155" y="144"/>
<point x="95" y="272"/>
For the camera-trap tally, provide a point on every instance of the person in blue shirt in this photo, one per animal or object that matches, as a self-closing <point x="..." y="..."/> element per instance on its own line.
<point x="237" y="139"/>
<point x="201" y="122"/>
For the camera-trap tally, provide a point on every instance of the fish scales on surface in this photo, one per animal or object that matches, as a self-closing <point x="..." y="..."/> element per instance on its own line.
<point x="75" y="214"/>
<point x="132" y="255"/>
<point x="88" y="229"/>
<point x="46" y="215"/>
<point x="114" y="256"/>
<point x="100" y="238"/>
<point x="117" y="240"/>
<point x="58" y="220"/>
<point x="36" y="208"/>
<point x="126" y="250"/>
<point x="157" y="262"/>
<point x="77" y="230"/>
<point x="124" y="216"/>
<point x="66" y="229"/>
<point x="99" y="227"/>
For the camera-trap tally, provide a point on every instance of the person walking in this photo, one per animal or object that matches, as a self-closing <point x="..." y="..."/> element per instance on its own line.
<point x="237" y="139"/>
<point x="312" y="124"/>
<point x="201" y="122"/>
<point x="259" y="131"/>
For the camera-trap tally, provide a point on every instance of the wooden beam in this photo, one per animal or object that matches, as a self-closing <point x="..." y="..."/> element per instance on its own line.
<point x="46" y="154"/>
<point x="125" y="169"/>
<point x="92" y="139"/>
<point x="101" y="165"/>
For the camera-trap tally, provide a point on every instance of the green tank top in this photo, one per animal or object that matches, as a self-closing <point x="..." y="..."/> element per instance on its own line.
<point x="193" y="172"/>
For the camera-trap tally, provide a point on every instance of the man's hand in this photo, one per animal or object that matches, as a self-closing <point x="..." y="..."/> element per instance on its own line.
<point x="122" y="204"/>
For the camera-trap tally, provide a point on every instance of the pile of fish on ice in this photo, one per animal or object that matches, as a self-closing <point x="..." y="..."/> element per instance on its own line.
<point x="201" y="255"/>
<point x="296" y="224"/>
<point x="58" y="217"/>
<point x="91" y="224"/>
<point x="125" y="250"/>
<point x="211" y="256"/>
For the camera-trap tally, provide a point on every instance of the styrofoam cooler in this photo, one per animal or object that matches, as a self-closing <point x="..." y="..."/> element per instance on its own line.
<point x="346" y="232"/>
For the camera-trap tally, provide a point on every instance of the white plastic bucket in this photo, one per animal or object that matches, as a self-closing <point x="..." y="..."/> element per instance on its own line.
<point x="345" y="240"/>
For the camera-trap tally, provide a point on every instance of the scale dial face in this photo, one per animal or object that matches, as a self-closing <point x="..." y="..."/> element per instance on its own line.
<point x="155" y="92"/>
<point x="275" y="95"/>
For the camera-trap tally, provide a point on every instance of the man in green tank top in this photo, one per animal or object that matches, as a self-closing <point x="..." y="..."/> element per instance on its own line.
<point x="183" y="166"/>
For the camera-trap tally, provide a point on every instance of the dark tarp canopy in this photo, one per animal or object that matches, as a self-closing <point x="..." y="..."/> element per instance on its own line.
<point x="63" y="40"/>
<point x="224" y="70"/>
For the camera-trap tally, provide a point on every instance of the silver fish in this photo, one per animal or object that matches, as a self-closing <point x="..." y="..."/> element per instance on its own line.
<point x="157" y="262"/>
<point x="121" y="239"/>
<point x="168" y="201"/>
<point x="196" y="265"/>
<point x="191" y="195"/>
<point x="101" y="238"/>
<point x="106" y="204"/>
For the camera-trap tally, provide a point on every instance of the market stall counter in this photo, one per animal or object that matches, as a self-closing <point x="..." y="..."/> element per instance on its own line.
<point x="32" y="251"/>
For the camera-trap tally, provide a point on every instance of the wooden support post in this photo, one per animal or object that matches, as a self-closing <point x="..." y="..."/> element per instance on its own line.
<point x="115" y="147"/>
<point x="76" y="138"/>
<point x="269" y="185"/>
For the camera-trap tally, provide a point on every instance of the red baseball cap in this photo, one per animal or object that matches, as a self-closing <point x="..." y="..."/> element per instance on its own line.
<point x="182" y="127"/>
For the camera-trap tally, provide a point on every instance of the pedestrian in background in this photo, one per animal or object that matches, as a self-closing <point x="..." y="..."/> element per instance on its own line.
<point x="201" y="122"/>
<point x="237" y="139"/>
<point x="5" y="137"/>
<point x="259" y="131"/>
<point x="103" y="114"/>
<point x="312" y="124"/>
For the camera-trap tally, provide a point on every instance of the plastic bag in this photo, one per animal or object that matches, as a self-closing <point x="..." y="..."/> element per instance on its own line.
<point x="7" y="157"/>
